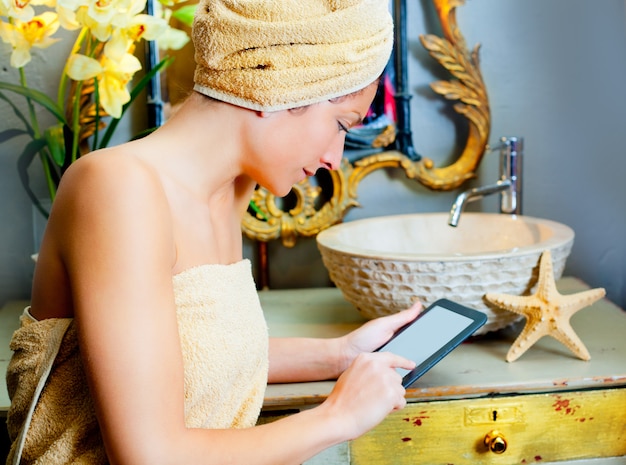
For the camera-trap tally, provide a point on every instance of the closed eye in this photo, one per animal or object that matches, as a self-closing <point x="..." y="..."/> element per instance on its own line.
<point x="342" y="127"/>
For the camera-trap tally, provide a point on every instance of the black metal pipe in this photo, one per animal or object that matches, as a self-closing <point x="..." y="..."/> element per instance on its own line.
<point x="154" y="99"/>
<point x="404" y="137"/>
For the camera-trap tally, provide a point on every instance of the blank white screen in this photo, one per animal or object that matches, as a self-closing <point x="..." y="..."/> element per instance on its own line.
<point x="433" y="330"/>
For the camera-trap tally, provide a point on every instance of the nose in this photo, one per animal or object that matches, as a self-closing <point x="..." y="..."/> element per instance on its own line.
<point x="331" y="159"/>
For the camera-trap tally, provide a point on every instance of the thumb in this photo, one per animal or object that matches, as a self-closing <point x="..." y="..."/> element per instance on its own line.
<point x="397" y="320"/>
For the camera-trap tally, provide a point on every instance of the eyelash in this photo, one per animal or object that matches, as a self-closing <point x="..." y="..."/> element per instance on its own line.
<point x="342" y="127"/>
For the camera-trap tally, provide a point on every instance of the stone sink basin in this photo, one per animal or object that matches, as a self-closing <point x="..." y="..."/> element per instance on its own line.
<point x="383" y="264"/>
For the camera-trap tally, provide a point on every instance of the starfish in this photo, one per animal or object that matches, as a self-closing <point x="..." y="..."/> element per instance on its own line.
<point x="547" y="312"/>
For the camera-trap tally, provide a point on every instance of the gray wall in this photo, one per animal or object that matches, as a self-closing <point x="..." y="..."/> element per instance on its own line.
<point x="555" y="75"/>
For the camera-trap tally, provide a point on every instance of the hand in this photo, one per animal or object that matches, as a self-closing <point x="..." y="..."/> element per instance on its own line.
<point x="367" y="392"/>
<point x="375" y="333"/>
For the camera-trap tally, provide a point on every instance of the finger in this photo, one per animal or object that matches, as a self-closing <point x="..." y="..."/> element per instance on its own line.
<point x="416" y="308"/>
<point x="405" y="316"/>
<point x="397" y="320"/>
<point x="400" y="404"/>
<point x="400" y="401"/>
<point x="396" y="361"/>
<point x="404" y="363"/>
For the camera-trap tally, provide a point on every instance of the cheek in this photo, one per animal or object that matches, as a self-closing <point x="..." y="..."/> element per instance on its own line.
<point x="318" y="136"/>
<point x="301" y="147"/>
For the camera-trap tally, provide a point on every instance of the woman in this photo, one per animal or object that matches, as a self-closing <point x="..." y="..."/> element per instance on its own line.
<point x="163" y="354"/>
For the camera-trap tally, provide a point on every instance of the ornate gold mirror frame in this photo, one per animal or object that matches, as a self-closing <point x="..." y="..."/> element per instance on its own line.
<point x="304" y="217"/>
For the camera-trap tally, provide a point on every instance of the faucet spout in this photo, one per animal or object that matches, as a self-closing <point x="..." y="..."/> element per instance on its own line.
<point x="475" y="193"/>
<point x="509" y="185"/>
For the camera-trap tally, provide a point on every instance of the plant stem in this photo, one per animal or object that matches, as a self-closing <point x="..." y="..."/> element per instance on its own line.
<point x="76" y="122"/>
<point x="77" y="93"/>
<point x="63" y="82"/>
<point x="31" y="107"/>
<point x="96" y="132"/>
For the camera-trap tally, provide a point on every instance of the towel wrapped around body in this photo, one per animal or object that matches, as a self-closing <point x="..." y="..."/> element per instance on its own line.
<point x="224" y="343"/>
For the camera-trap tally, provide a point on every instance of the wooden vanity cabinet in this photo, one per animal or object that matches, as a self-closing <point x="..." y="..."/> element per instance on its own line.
<point x="536" y="428"/>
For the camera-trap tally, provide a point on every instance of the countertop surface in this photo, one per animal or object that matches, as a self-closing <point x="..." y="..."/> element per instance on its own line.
<point x="476" y="368"/>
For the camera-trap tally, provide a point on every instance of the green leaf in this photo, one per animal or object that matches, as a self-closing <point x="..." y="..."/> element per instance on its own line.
<point x="258" y="210"/>
<point x="36" y="96"/>
<point x="144" y="133"/>
<point x="11" y="133"/>
<point x="23" y="162"/>
<point x="185" y="14"/>
<point x="19" y="114"/>
<point x="56" y="143"/>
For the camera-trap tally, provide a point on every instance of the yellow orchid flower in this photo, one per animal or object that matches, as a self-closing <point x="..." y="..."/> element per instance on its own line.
<point x="171" y="38"/>
<point x="71" y="4"/>
<point x="17" y="9"/>
<point x="113" y="85"/>
<point x="67" y="10"/>
<point x="131" y="8"/>
<point x="99" y="29"/>
<point x="23" y="36"/>
<point x="144" y="26"/>
<point x="67" y="18"/>
<point x="140" y="26"/>
<point x="102" y="17"/>
<point x="112" y="75"/>
<point x="47" y="3"/>
<point x="103" y="11"/>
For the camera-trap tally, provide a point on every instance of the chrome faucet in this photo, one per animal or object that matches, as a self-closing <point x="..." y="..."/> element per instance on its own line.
<point x="509" y="185"/>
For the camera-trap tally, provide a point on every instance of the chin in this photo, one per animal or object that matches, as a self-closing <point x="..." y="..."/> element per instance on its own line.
<point x="278" y="191"/>
<point x="281" y="192"/>
<point x="280" y="186"/>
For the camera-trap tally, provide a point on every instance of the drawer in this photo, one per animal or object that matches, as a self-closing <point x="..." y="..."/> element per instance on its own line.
<point x="520" y="429"/>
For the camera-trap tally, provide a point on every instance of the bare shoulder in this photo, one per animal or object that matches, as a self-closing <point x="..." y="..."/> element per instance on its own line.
<point x="114" y="172"/>
<point x="110" y="182"/>
<point x="114" y="196"/>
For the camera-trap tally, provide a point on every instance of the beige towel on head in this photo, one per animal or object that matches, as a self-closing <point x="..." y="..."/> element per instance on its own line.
<point x="274" y="55"/>
<point x="225" y="354"/>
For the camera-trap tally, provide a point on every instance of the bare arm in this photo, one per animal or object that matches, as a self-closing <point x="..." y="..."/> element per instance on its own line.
<point x="313" y="359"/>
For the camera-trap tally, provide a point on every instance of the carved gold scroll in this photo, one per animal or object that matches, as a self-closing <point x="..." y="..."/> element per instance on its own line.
<point x="466" y="88"/>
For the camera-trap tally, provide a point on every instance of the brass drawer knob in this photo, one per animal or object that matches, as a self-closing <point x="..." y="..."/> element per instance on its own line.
<point x="495" y="442"/>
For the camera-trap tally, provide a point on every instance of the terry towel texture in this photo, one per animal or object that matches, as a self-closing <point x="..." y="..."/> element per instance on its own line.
<point x="274" y="55"/>
<point x="225" y="355"/>
<point x="226" y="374"/>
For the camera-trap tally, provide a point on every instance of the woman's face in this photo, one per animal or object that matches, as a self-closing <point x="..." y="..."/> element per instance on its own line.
<point x="290" y="145"/>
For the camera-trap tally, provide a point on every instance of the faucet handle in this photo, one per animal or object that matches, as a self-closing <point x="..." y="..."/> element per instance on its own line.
<point x="511" y="157"/>
<point x="512" y="144"/>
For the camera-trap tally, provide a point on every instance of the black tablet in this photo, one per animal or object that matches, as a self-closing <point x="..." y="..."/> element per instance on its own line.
<point x="432" y="335"/>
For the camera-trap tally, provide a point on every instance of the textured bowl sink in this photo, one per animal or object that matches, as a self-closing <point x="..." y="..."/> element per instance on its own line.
<point x="383" y="264"/>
